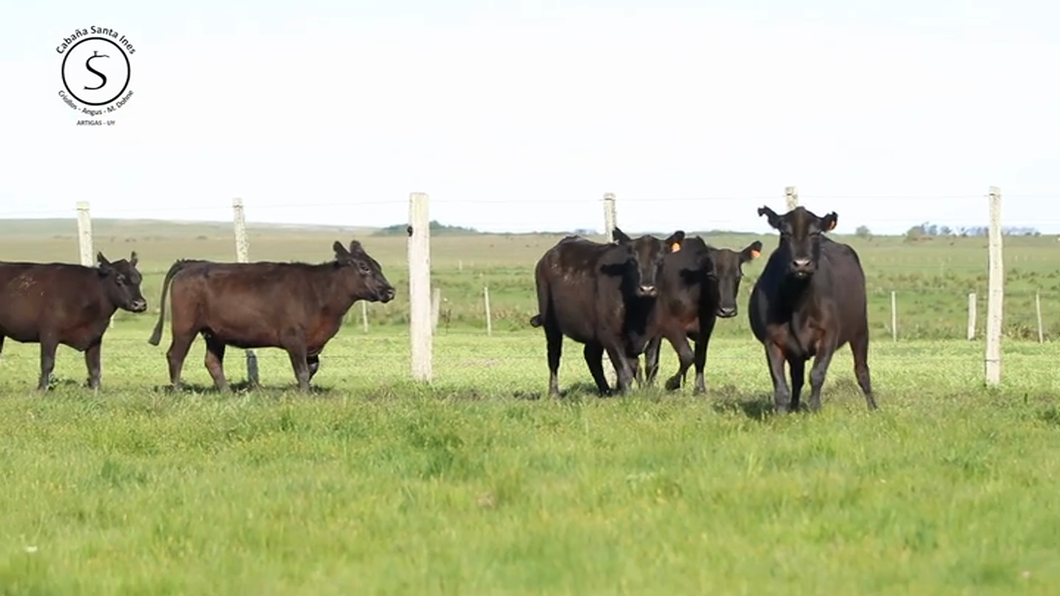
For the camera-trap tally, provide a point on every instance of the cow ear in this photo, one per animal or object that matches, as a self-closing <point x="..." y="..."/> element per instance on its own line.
<point x="104" y="264"/>
<point x="355" y="247"/>
<point x="340" y="250"/>
<point x="619" y="236"/>
<point x="133" y="259"/>
<point x="771" y="216"/>
<point x="675" y="241"/>
<point x="829" y="222"/>
<point x="752" y="251"/>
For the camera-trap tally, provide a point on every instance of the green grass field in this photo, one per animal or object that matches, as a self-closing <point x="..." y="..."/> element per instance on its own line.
<point x="373" y="484"/>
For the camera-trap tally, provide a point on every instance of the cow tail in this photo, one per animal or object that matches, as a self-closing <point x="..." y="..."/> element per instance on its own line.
<point x="542" y="304"/>
<point x="156" y="336"/>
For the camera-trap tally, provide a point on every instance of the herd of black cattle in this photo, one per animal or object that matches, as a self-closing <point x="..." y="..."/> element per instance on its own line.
<point x="622" y="297"/>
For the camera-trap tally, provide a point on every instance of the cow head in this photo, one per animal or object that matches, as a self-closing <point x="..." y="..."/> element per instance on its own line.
<point x="122" y="282"/>
<point x="800" y="236"/>
<point x="640" y="261"/>
<point x="727" y="271"/>
<point x="363" y="273"/>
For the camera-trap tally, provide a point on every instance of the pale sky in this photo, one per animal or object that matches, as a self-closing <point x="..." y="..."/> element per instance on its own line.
<point x="518" y="116"/>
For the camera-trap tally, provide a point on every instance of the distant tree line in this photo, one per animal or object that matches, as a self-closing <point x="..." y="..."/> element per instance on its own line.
<point x="928" y="229"/>
<point x="924" y="230"/>
<point x="437" y="229"/>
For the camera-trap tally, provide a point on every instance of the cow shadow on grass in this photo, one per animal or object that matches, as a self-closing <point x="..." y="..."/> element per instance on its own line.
<point x="727" y="399"/>
<point x="573" y="392"/>
<point x="723" y="400"/>
<point x="242" y="388"/>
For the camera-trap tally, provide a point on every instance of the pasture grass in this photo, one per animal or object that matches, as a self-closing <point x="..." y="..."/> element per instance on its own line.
<point x="373" y="484"/>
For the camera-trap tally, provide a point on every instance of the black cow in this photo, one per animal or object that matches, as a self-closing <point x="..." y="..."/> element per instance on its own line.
<point x="809" y="302"/>
<point x="294" y="306"/>
<point x="59" y="303"/>
<point x="600" y="295"/>
<point x="699" y="285"/>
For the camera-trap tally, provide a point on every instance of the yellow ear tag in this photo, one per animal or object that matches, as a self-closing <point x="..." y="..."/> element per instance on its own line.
<point x="676" y="246"/>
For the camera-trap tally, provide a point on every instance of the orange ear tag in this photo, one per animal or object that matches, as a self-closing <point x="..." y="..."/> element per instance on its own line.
<point x="754" y="254"/>
<point x="676" y="246"/>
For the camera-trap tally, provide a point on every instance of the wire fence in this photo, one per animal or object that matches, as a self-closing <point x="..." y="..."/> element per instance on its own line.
<point x="931" y="283"/>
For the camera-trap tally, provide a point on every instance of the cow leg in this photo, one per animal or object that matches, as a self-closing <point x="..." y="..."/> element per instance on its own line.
<point x="701" y="363"/>
<point x="860" y="347"/>
<point x="685" y="356"/>
<point x="817" y="374"/>
<point x="177" y="352"/>
<point x="781" y="394"/>
<point x="1" y="345"/>
<point x="48" y="345"/>
<point x="651" y="361"/>
<point x="300" y="363"/>
<point x="93" y="365"/>
<point x="215" y="358"/>
<point x="594" y="359"/>
<point x="623" y="369"/>
<point x="702" y="343"/>
<point x="554" y="343"/>
<point x="314" y="365"/>
<point x="797" y="369"/>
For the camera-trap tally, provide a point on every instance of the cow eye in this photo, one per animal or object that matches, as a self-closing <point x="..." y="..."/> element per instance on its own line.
<point x="364" y="268"/>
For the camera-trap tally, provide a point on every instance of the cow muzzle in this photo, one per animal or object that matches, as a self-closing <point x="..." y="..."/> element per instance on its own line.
<point x="802" y="267"/>
<point x="139" y="305"/>
<point x="387" y="294"/>
<point x="727" y="312"/>
<point x="647" y="291"/>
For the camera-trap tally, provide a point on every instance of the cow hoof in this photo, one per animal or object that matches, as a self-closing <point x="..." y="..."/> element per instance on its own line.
<point x="699" y="391"/>
<point x="673" y="384"/>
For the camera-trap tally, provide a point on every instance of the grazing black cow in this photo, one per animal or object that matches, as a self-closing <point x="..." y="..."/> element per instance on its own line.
<point x="600" y="295"/>
<point x="58" y="303"/>
<point x="808" y="303"/>
<point x="294" y="306"/>
<point x="699" y="285"/>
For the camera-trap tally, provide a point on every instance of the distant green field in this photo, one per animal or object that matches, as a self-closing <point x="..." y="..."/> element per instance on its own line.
<point x="374" y="484"/>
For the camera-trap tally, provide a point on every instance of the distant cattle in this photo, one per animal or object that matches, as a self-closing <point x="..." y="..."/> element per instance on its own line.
<point x="699" y="284"/>
<point x="294" y="306"/>
<point x="809" y="302"/>
<point x="58" y="303"/>
<point x="600" y="295"/>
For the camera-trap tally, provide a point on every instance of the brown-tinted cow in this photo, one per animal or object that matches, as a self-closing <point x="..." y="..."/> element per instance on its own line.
<point x="699" y="285"/>
<point x="294" y="306"/>
<point x="602" y="296"/>
<point x="58" y="303"/>
<point x="808" y="303"/>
